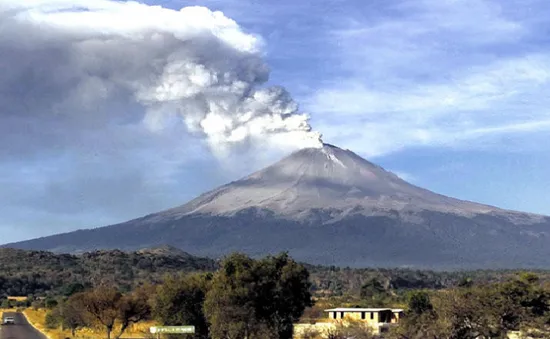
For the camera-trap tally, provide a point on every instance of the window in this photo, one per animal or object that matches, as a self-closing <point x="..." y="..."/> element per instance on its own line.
<point x="363" y="315"/>
<point x="384" y="317"/>
<point x="371" y="315"/>
<point x="341" y="315"/>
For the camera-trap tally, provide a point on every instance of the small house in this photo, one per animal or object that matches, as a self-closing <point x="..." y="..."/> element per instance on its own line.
<point x="378" y="319"/>
<point x="14" y="298"/>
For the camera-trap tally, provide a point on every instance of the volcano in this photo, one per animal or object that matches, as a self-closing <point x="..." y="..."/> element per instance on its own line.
<point x="330" y="206"/>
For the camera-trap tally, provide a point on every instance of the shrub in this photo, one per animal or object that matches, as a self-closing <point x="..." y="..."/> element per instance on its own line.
<point x="51" y="321"/>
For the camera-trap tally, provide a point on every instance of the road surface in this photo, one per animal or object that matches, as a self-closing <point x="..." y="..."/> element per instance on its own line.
<point x="21" y="330"/>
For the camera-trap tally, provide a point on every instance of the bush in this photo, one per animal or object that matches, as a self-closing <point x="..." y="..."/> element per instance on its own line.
<point x="52" y="321"/>
<point x="310" y="334"/>
<point x="50" y="303"/>
<point x="38" y="304"/>
<point x="23" y="303"/>
<point x="5" y="304"/>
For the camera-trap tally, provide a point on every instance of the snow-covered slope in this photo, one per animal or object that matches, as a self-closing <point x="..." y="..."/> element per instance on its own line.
<point x="334" y="179"/>
<point x="330" y="206"/>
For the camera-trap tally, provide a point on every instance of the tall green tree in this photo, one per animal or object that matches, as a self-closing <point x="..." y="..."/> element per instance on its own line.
<point x="372" y="288"/>
<point x="179" y="301"/>
<point x="520" y="300"/>
<point x="419" y="303"/>
<point x="284" y="293"/>
<point x="257" y="299"/>
<point x="230" y="303"/>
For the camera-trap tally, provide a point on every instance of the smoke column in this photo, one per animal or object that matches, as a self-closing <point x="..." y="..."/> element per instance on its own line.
<point x="106" y="59"/>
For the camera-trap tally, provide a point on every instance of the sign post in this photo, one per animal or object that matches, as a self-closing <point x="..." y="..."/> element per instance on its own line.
<point x="172" y="329"/>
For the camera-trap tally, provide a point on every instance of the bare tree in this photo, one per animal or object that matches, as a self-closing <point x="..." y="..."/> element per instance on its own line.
<point x="108" y="307"/>
<point x="72" y="317"/>
<point x="102" y="304"/>
<point x="134" y="308"/>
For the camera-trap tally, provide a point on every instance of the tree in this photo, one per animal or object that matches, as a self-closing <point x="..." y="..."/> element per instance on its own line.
<point x="250" y="299"/>
<point x="372" y="288"/>
<point x="107" y="306"/>
<point x="421" y="321"/>
<point x="179" y="301"/>
<point x="72" y="317"/>
<point x="51" y="321"/>
<point x="520" y="300"/>
<point x="419" y="303"/>
<point x="102" y="305"/>
<point x="230" y="303"/>
<point x="50" y="303"/>
<point x="6" y="303"/>
<point x="470" y="314"/>
<point x="73" y="288"/>
<point x="465" y="282"/>
<point x="68" y="316"/>
<point x="284" y="293"/>
<point x="133" y="308"/>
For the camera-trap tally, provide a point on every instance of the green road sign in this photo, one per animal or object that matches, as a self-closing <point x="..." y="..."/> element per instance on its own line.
<point x="172" y="329"/>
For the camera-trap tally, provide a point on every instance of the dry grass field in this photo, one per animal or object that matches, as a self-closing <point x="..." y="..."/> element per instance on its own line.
<point x="37" y="319"/>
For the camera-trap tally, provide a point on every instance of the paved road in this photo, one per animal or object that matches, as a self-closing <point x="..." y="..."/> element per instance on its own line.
<point x="21" y="330"/>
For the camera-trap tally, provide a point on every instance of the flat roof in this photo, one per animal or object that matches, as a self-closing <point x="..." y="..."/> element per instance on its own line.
<point x="362" y="310"/>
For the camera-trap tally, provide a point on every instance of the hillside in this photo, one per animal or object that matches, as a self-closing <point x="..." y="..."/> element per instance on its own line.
<point x="44" y="273"/>
<point x="39" y="272"/>
<point x="329" y="206"/>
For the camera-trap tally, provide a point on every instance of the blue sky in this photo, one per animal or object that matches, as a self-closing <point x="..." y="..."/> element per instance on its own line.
<point x="451" y="95"/>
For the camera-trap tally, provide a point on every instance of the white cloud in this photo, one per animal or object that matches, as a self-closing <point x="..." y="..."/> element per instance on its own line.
<point x="113" y="109"/>
<point x="194" y="64"/>
<point x="434" y="73"/>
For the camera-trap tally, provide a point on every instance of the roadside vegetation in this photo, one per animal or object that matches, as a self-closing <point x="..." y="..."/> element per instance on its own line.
<point x="244" y="298"/>
<point x="518" y="307"/>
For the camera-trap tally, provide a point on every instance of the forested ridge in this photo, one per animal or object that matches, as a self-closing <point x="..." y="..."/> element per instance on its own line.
<point x="25" y="273"/>
<point x="42" y="273"/>
<point x="111" y="290"/>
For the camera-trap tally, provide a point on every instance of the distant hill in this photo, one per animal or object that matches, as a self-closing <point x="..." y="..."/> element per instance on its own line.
<point x="29" y="272"/>
<point x="329" y="206"/>
<point x="24" y="273"/>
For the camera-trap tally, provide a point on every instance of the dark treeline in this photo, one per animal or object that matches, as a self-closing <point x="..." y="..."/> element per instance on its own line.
<point x="24" y="273"/>
<point x="339" y="281"/>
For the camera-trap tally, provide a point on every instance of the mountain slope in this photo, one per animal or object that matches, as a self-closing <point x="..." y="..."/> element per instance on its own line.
<point x="328" y="179"/>
<point x="330" y="206"/>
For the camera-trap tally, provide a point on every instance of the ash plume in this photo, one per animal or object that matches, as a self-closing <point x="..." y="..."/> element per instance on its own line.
<point x="97" y="62"/>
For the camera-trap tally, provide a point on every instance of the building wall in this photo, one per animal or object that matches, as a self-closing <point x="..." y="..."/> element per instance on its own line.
<point x="335" y="320"/>
<point x="370" y="317"/>
<point x="17" y="298"/>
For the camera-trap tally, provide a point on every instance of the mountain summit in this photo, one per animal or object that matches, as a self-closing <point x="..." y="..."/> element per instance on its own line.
<point x="327" y="178"/>
<point x="330" y="206"/>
